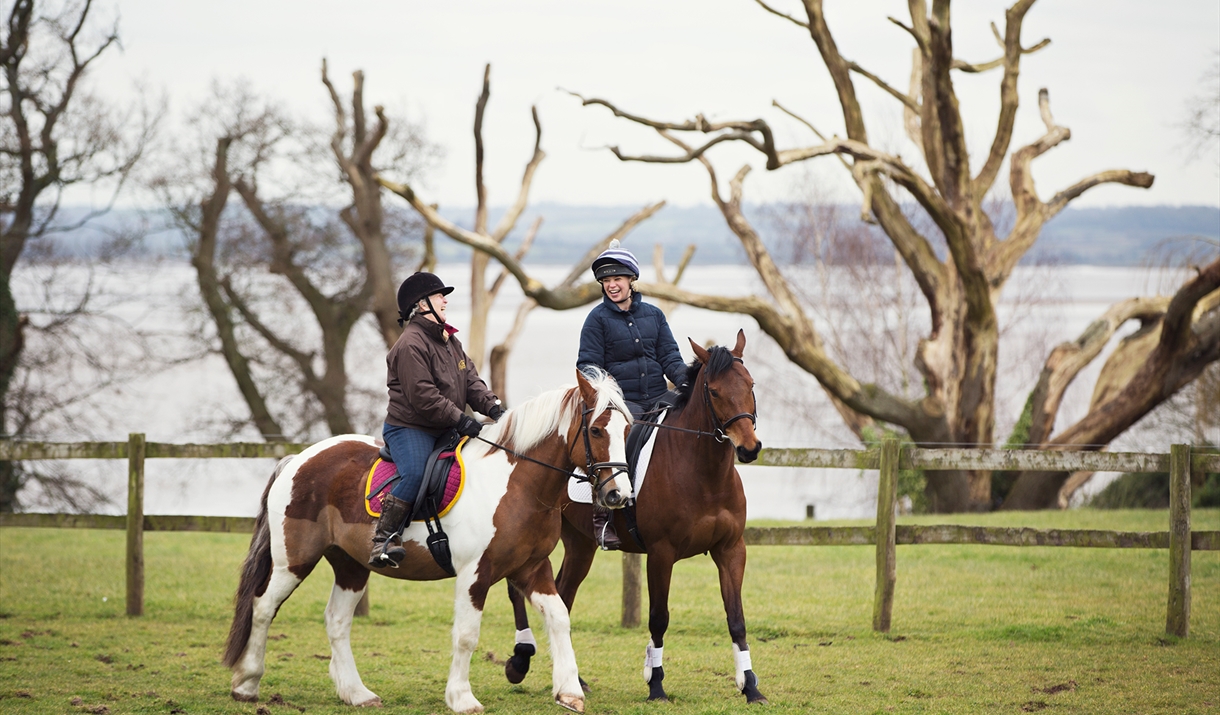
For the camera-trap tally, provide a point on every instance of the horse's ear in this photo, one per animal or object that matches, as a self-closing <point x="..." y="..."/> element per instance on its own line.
<point x="700" y="353"/>
<point x="586" y="388"/>
<point x="741" y="343"/>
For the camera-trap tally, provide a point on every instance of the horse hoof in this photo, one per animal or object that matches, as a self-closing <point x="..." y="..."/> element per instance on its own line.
<point x="759" y="700"/>
<point x="583" y="685"/>
<point x="572" y="702"/>
<point x="514" y="676"/>
<point x="374" y="702"/>
<point x="243" y="698"/>
<point x="662" y="698"/>
<point x="519" y="664"/>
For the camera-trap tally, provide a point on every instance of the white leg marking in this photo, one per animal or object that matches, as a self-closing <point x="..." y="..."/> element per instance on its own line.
<point x="742" y="659"/>
<point x="250" y="667"/>
<point x="466" y="622"/>
<point x="339" y="612"/>
<point x="565" y="678"/>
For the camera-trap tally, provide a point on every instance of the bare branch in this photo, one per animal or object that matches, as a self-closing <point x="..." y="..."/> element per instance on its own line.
<point x="1009" y="98"/>
<point x="1021" y="180"/>
<point x="1067" y="359"/>
<point x="526" y="244"/>
<point x="997" y="62"/>
<point x="904" y="98"/>
<point x="509" y="220"/>
<point x="784" y="15"/>
<point x="839" y="70"/>
<point x="557" y="299"/>
<point x="480" y="214"/>
<point x="1060" y="200"/>
<point x="910" y="30"/>
<point x="336" y="141"/>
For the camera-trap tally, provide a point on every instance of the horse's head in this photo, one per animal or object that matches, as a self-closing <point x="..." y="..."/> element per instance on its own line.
<point x="727" y="391"/>
<point x="597" y="440"/>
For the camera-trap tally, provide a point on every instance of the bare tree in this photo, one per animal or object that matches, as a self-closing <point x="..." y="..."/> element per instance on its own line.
<point x="490" y="244"/>
<point x="56" y="134"/>
<point x="281" y="252"/>
<point x="1201" y="126"/>
<point x="957" y="356"/>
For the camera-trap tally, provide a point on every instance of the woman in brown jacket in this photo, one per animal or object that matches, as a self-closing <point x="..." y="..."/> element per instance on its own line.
<point x="431" y="379"/>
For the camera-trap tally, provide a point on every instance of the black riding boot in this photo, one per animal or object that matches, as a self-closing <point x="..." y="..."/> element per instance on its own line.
<point x="387" y="540"/>
<point x="603" y="530"/>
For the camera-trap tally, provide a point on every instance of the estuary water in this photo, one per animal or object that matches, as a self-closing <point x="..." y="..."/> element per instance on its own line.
<point x="191" y="401"/>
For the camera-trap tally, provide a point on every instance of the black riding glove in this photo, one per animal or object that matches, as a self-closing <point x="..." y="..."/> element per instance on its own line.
<point x="468" y="426"/>
<point x="496" y="412"/>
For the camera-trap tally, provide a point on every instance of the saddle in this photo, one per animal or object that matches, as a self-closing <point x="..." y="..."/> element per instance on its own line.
<point x="437" y="493"/>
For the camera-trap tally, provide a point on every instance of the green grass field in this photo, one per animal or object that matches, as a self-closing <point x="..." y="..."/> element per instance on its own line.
<point x="977" y="629"/>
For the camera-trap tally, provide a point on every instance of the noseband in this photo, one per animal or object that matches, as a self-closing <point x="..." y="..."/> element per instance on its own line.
<point x="718" y="426"/>
<point x="591" y="467"/>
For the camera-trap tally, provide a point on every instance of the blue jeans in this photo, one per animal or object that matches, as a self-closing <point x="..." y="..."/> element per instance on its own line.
<point x="410" y="449"/>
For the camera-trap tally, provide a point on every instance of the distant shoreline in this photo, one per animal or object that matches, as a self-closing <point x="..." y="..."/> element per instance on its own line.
<point x="1110" y="236"/>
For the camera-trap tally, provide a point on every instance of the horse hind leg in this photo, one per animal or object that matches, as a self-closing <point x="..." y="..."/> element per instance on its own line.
<point x="351" y="581"/>
<point x="249" y="668"/>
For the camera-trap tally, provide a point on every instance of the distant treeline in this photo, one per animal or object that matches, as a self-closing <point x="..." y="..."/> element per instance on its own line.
<point x="1120" y="236"/>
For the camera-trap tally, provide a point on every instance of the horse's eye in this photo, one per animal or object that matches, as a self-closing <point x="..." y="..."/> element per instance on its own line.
<point x="595" y="431"/>
<point x="714" y="391"/>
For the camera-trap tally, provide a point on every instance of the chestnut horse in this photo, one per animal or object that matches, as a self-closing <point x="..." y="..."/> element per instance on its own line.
<point x="504" y="526"/>
<point x="689" y="503"/>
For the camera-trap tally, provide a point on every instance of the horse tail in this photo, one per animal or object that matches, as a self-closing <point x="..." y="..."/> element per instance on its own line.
<point x="255" y="574"/>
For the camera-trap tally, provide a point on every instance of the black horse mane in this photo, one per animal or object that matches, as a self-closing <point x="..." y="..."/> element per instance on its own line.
<point x="719" y="359"/>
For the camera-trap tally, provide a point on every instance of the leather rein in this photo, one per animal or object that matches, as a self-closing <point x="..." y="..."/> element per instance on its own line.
<point x="718" y="426"/>
<point x="591" y="468"/>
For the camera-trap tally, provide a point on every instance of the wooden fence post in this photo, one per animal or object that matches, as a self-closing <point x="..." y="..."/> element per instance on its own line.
<point x="135" y="524"/>
<point x="1177" y="618"/>
<point x="631" y="590"/>
<point x="887" y="499"/>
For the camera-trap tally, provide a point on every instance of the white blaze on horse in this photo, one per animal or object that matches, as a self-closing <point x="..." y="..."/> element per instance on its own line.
<point x="504" y="526"/>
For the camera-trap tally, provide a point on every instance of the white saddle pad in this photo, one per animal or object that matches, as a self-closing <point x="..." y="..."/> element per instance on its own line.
<point x="581" y="492"/>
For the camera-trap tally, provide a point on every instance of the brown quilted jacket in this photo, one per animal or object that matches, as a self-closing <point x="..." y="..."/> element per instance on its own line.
<point x="431" y="379"/>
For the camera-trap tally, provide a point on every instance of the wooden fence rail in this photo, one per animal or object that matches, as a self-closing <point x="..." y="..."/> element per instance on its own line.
<point x="889" y="458"/>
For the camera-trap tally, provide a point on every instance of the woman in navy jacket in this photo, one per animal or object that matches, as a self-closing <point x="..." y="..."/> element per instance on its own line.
<point x="631" y="340"/>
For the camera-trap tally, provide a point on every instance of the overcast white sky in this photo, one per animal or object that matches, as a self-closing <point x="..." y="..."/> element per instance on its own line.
<point x="1119" y="74"/>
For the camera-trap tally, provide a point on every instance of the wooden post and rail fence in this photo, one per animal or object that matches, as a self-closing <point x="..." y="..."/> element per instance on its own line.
<point x="889" y="457"/>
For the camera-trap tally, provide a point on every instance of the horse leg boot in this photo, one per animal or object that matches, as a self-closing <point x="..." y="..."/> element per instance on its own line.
<point x="603" y="530"/>
<point x="387" y="540"/>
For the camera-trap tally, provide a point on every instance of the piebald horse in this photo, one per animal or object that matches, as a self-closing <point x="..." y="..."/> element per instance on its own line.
<point x="504" y="526"/>
<point x="690" y="502"/>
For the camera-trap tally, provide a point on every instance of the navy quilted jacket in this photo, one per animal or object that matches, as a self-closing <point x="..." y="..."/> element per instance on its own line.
<point x="635" y="346"/>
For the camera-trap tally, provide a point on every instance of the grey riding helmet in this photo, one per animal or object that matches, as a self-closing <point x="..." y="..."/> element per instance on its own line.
<point x="615" y="261"/>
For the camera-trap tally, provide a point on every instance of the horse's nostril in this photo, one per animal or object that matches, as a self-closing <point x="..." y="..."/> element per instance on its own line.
<point x="614" y="498"/>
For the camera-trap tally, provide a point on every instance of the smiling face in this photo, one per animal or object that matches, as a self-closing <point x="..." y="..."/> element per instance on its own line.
<point x="439" y="303"/>
<point x="618" y="289"/>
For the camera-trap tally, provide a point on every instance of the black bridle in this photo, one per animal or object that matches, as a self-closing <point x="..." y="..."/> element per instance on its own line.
<point x="718" y="427"/>
<point x="591" y="468"/>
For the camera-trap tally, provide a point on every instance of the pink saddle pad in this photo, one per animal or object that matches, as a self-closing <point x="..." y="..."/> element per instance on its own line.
<point x="384" y="471"/>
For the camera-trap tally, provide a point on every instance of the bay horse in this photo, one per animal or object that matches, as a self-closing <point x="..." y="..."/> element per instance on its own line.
<point x="690" y="502"/>
<point x="504" y="526"/>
